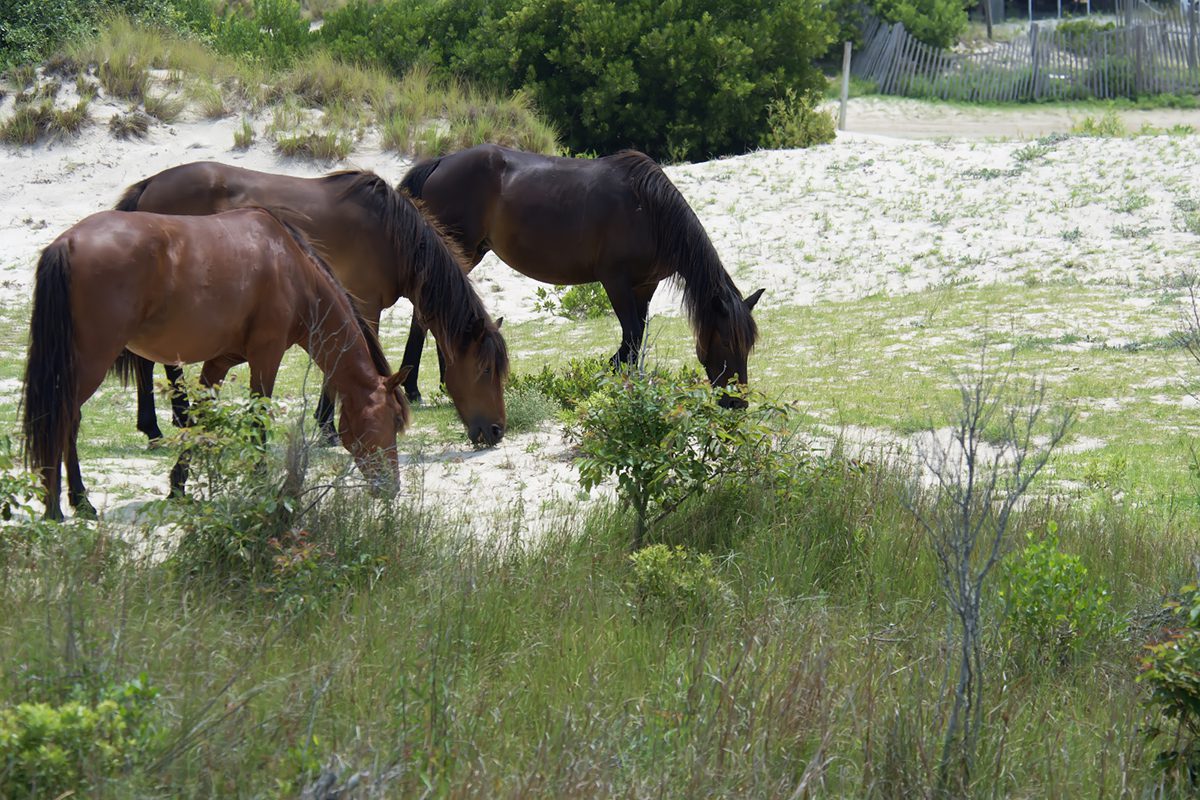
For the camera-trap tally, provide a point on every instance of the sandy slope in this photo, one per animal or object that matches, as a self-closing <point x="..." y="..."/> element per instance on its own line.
<point x="866" y="214"/>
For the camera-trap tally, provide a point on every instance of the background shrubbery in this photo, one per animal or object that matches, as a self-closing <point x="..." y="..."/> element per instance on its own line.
<point x="685" y="79"/>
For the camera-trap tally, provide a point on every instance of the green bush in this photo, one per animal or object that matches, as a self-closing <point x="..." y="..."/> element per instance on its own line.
<point x="585" y="301"/>
<point x="934" y="22"/>
<point x="272" y="31"/>
<point x="1171" y="669"/>
<point x="569" y="386"/>
<point x="675" y="580"/>
<point x="527" y="407"/>
<point x="1054" y="608"/>
<point x="60" y="750"/>
<point x="665" y="439"/>
<point x="685" y="79"/>
<point x="794" y="122"/>
<point x="1077" y="35"/>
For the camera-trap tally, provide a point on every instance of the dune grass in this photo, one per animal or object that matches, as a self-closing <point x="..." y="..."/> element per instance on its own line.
<point x="31" y="123"/>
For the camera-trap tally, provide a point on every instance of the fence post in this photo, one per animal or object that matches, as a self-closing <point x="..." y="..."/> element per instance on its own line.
<point x="1193" y="8"/>
<point x="1139" y="46"/>
<point x="845" y="84"/>
<point x="1033" y="58"/>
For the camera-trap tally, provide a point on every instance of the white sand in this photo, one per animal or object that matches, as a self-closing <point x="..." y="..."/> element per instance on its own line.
<point x="864" y="215"/>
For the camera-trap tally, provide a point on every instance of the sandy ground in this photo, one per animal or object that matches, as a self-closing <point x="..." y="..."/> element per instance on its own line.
<point x="883" y="209"/>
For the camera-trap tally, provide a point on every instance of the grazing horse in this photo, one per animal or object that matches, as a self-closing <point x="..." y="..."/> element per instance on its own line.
<point x="379" y="245"/>
<point x="238" y="286"/>
<point x="617" y="220"/>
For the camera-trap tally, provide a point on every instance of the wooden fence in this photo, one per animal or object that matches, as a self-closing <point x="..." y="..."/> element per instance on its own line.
<point x="1150" y="56"/>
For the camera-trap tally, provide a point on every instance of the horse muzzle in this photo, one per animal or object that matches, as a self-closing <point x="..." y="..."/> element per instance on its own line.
<point x="488" y="435"/>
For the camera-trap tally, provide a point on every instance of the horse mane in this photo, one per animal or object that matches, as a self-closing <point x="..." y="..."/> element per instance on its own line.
<point x="443" y="297"/>
<point x="682" y="243"/>
<point x="373" y="347"/>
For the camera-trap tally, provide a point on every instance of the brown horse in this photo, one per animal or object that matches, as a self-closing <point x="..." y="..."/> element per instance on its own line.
<point x="235" y="287"/>
<point x="379" y="245"/>
<point x="617" y="220"/>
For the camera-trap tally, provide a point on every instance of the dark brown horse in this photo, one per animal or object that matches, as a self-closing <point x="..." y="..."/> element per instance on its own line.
<point x="617" y="220"/>
<point x="379" y="245"/>
<point x="234" y="287"/>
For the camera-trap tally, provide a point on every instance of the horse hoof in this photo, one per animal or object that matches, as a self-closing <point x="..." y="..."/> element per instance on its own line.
<point x="84" y="509"/>
<point x="328" y="438"/>
<point x="176" y="494"/>
<point x="415" y="399"/>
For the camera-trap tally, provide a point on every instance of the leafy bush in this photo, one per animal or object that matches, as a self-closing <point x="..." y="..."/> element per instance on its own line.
<point x="1171" y="668"/>
<point x="681" y="80"/>
<point x="569" y="386"/>
<point x="1054" y="609"/>
<point x="675" y="580"/>
<point x="59" y="750"/>
<point x="794" y="122"/>
<point x="934" y="22"/>
<point x="1108" y="126"/>
<point x="272" y="31"/>
<point x="1076" y="35"/>
<point x="665" y="439"/>
<point x="585" y="301"/>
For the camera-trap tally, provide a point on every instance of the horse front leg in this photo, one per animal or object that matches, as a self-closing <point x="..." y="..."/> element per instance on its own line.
<point x="412" y="358"/>
<point x="631" y="307"/>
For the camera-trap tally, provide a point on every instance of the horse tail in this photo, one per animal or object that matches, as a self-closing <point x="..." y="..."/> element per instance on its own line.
<point x="132" y="196"/>
<point x="682" y="244"/>
<point x="50" y="376"/>
<point x="413" y="182"/>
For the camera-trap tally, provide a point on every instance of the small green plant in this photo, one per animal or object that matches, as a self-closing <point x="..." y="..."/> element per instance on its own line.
<point x="1171" y="670"/>
<point x="19" y="488"/>
<point x="527" y="407"/>
<point x="86" y="89"/>
<point x="209" y="99"/>
<point x="665" y="438"/>
<point x="568" y="386"/>
<point x="1054" y="608"/>
<point x="315" y="145"/>
<point x="243" y="137"/>
<point x="68" y="749"/>
<point x="1031" y="152"/>
<point x="130" y="125"/>
<point x="585" y="301"/>
<point x="677" y="580"/>
<point x="1132" y="201"/>
<point x="29" y="124"/>
<point x="794" y="122"/>
<point x="1109" y="126"/>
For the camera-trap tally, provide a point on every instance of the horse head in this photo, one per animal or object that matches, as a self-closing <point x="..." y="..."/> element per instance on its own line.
<point x="724" y="342"/>
<point x="369" y="427"/>
<point x="476" y="369"/>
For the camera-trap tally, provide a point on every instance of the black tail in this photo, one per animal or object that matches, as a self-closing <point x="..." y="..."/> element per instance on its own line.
<point x="50" y="378"/>
<point x="413" y="183"/>
<point x="129" y="200"/>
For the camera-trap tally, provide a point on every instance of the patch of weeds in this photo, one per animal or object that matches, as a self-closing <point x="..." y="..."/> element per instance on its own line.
<point x="49" y="90"/>
<point x="1133" y="231"/>
<point x="29" y="124"/>
<point x="677" y="582"/>
<point x="1105" y="474"/>
<point x="22" y="76"/>
<point x="87" y="89"/>
<point x="396" y="133"/>
<point x="243" y="137"/>
<point x="795" y="121"/>
<point x="567" y="386"/>
<point x="1073" y="235"/>
<point x="130" y="125"/>
<point x="1171" y="670"/>
<point x="1031" y="152"/>
<point x="1109" y="126"/>
<point x="1131" y="202"/>
<point x="124" y="77"/>
<point x="164" y="107"/>
<point x="316" y="145"/>
<point x="527" y="407"/>
<point x="991" y="173"/>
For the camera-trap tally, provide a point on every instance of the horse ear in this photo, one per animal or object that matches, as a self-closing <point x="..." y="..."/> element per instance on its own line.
<point x="499" y="322"/>
<point x="753" y="299"/>
<point x="394" y="381"/>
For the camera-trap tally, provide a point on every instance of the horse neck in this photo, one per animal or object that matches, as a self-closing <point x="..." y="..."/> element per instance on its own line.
<point x="335" y="342"/>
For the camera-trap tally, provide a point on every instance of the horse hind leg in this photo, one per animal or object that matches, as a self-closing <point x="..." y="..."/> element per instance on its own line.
<point x="76" y="491"/>
<point x="147" y="421"/>
<point x="412" y="358"/>
<point x="631" y="307"/>
<point x="180" y="413"/>
<point x="213" y="372"/>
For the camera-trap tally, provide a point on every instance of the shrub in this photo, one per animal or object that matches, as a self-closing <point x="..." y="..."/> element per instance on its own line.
<point x="1076" y="35"/>
<point x="585" y="301"/>
<point x="60" y="750"/>
<point x="19" y="488"/>
<point x="794" y="122"/>
<point x="665" y="438"/>
<point x="1054" y="608"/>
<point x="568" y="386"/>
<point x="243" y="137"/>
<point x="934" y="22"/>
<point x="675" y="580"/>
<point x="1171" y="669"/>
<point x="682" y="80"/>
<point x="272" y="31"/>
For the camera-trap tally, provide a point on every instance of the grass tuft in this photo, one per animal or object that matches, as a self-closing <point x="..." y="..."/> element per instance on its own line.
<point x="164" y="107"/>
<point x="130" y="125"/>
<point x="30" y="123"/>
<point x="243" y="137"/>
<point x="315" y="145"/>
